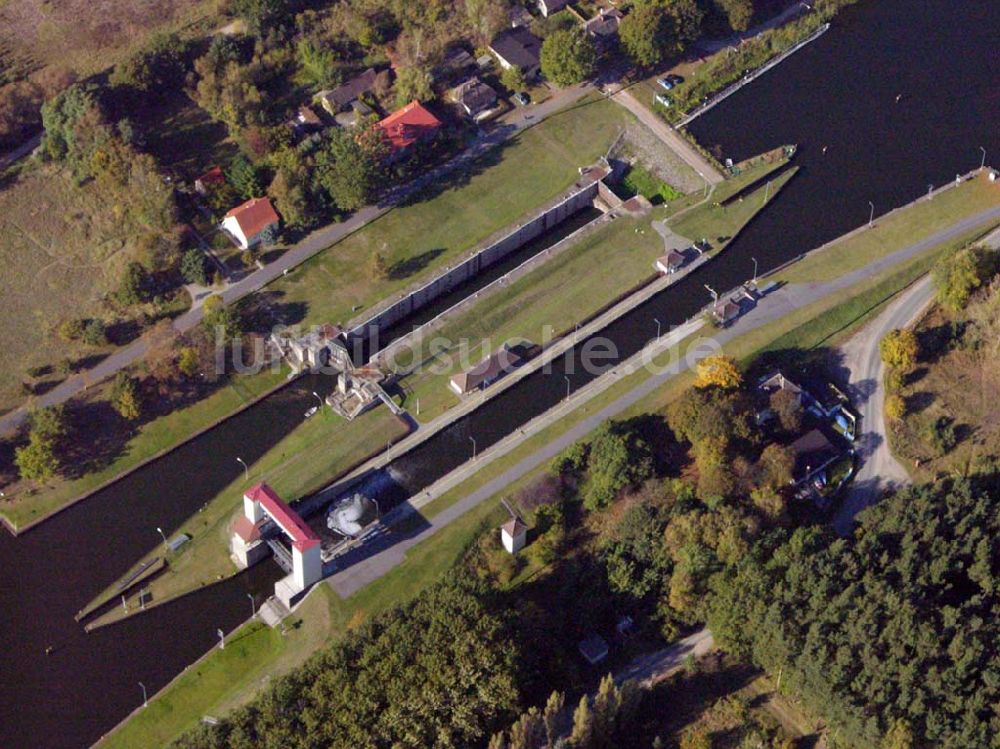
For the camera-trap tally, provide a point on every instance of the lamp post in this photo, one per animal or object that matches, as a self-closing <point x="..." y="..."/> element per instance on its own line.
<point x="222" y="638"/>
<point x="388" y="450"/>
<point x="162" y="534"/>
<point x="145" y="701"/>
<point x="473" y="440"/>
<point x="253" y="606"/>
<point x="318" y="398"/>
<point x="982" y="164"/>
<point x="246" y="469"/>
<point x="871" y="216"/>
<point x="754" y="269"/>
<point x="567" y="386"/>
<point x="657" y="329"/>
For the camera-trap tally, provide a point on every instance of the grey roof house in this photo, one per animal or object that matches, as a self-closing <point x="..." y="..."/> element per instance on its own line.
<point x="518" y="48"/>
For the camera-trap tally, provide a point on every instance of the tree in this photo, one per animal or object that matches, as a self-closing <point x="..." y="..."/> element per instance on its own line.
<point x="568" y="56"/>
<point x="957" y="276"/>
<point x="718" y="371"/>
<point x="618" y="458"/>
<point x="71" y="330"/>
<point x="696" y="738"/>
<point x="156" y="70"/>
<point x="187" y="361"/>
<point x="787" y="406"/>
<point x="513" y="80"/>
<point x="895" y="407"/>
<point x="244" y="177"/>
<point x="657" y="28"/>
<point x="125" y="397"/>
<point x="899" y="349"/>
<point x="776" y="465"/>
<point x="413" y="84"/>
<point x="486" y="18"/>
<point x="290" y="199"/>
<point x="94" y="333"/>
<point x="582" y="736"/>
<point x="261" y="15"/>
<point x="899" y="736"/>
<point x="738" y="12"/>
<point x="133" y="287"/>
<point x="550" y="716"/>
<point x="38" y="461"/>
<point x="193" y="267"/>
<point x="220" y="319"/>
<point x="350" y="167"/>
<point x="318" y="63"/>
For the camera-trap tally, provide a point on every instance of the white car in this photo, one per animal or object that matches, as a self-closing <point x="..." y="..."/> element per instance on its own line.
<point x="664" y="100"/>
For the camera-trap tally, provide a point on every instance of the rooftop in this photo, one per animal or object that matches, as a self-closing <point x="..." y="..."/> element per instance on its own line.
<point x="406" y="126"/>
<point x="303" y="537"/>
<point x="344" y="95"/>
<point x="254" y="216"/>
<point x="518" y="47"/>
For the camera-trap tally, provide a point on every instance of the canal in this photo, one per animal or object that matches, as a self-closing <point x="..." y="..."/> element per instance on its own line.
<point x="836" y="99"/>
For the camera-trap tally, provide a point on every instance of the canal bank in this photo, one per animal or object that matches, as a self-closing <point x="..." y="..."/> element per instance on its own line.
<point x="869" y="155"/>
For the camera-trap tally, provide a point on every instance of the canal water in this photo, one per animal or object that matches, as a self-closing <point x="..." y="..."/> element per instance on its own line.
<point x="839" y="92"/>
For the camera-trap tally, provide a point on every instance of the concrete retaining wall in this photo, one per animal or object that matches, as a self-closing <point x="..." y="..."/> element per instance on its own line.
<point x="577" y="200"/>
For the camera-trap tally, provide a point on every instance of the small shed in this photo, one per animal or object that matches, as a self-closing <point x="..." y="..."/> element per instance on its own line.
<point x="672" y="262"/>
<point x="594" y="649"/>
<point x="513" y="535"/>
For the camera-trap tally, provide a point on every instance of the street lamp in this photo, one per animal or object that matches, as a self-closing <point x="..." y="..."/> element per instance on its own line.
<point x="982" y="164"/>
<point x="253" y="606"/>
<point x="657" y="329"/>
<point x="145" y="702"/>
<point x="222" y="638"/>
<point x="388" y="450"/>
<point x="318" y="398"/>
<point x="164" y="535"/>
<point x="473" y="439"/>
<point x="754" y="269"/>
<point x="246" y="469"/>
<point x="871" y="216"/>
<point x="565" y="377"/>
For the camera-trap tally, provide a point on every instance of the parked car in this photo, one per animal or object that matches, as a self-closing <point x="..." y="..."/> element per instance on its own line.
<point x="675" y="79"/>
<point x="665" y="83"/>
<point x="664" y="100"/>
<point x="522" y="98"/>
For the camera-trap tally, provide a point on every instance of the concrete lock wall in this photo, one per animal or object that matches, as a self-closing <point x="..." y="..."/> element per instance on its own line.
<point x="486" y="257"/>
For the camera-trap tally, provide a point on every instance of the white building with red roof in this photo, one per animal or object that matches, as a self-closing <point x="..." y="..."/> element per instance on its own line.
<point x="406" y="126"/>
<point x="263" y="513"/>
<point x="252" y="222"/>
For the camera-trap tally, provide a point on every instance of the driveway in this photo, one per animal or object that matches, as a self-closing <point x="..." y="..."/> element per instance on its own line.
<point x="654" y="667"/>
<point x="879" y="471"/>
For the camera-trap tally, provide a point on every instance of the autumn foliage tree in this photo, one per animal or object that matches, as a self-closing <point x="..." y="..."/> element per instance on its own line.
<point x="718" y="371"/>
<point x="899" y="349"/>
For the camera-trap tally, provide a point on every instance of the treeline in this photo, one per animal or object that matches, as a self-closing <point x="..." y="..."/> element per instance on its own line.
<point x="441" y="671"/>
<point x="890" y="636"/>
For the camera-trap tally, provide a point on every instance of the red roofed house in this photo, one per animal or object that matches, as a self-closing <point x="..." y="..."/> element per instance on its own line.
<point x="261" y="507"/>
<point x="209" y="180"/>
<point x="407" y="126"/>
<point x="251" y="223"/>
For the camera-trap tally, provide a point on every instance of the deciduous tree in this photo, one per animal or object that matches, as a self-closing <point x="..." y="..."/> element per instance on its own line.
<point x="718" y="371"/>
<point x="899" y="349"/>
<point x="568" y="56"/>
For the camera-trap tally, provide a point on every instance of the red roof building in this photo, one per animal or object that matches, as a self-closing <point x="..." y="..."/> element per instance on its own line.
<point x="247" y="222"/>
<point x="212" y="178"/>
<point x="302" y="536"/>
<point x="408" y="125"/>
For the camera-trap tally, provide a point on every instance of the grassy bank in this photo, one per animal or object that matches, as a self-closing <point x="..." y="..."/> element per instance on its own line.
<point x="24" y="504"/>
<point x="421" y="237"/>
<point x="311" y="456"/>
<point x="898" y="229"/>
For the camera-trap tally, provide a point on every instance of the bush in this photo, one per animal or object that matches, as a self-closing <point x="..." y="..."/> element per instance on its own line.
<point x="71" y="330"/>
<point x="939" y="435"/>
<point x="193" y="267"/>
<point x="895" y="407"/>
<point x="94" y="333"/>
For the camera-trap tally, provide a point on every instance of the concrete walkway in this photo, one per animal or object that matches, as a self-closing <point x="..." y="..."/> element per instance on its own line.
<point x="305" y="249"/>
<point x="370" y="561"/>
<point x="669" y="136"/>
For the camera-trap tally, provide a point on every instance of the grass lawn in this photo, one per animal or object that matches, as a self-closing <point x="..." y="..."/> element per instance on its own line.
<point x="569" y="288"/>
<point x="310" y="457"/>
<point x="213" y="685"/>
<point x="417" y="239"/>
<point x="24" y="506"/>
<point x="898" y="230"/>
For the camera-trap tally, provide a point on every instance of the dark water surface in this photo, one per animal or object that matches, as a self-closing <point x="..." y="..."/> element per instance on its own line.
<point x="839" y="92"/>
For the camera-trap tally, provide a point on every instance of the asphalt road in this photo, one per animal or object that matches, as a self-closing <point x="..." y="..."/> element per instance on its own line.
<point x="879" y="470"/>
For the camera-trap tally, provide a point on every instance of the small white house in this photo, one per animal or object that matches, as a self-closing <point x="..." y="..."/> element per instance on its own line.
<point x="252" y="222"/>
<point x="513" y="535"/>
